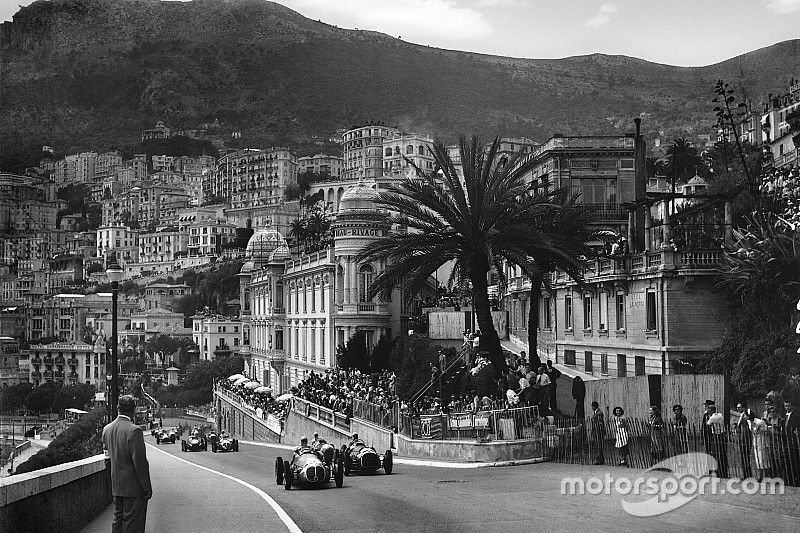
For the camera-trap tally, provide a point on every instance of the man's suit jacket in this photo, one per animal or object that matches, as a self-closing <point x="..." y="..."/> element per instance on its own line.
<point x="792" y="425"/>
<point x="130" y="471"/>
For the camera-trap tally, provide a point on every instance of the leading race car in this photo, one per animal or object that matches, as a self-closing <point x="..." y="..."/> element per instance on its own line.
<point x="358" y="457"/>
<point x="168" y="435"/>
<point x="195" y="443"/>
<point x="309" y="468"/>
<point x="225" y="443"/>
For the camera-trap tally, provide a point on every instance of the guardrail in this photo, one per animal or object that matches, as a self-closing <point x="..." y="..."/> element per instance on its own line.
<point x="322" y="414"/>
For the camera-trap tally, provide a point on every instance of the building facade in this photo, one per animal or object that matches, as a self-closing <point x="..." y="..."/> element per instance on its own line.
<point x="362" y="150"/>
<point x="67" y="363"/>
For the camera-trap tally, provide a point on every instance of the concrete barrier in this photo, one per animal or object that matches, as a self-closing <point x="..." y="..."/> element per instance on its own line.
<point x="60" y="498"/>
<point x="297" y="425"/>
<point x="469" y="451"/>
<point x="240" y="423"/>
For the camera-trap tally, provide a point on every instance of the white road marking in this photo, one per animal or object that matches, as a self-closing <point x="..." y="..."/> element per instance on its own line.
<point x="285" y="518"/>
<point x="418" y="462"/>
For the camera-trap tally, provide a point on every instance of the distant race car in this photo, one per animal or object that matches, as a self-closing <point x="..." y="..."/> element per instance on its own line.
<point x="169" y="435"/>
<point x="308" y="468"/>
<point x="196" y="442"/>
<point x="358" y="457"/>
<point x="225" y="443"/>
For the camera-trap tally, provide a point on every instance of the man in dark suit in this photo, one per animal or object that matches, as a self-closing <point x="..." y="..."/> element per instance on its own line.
<point x="791" y="430"/>
<point x="597" y="434"/>
<point x="130" y="471"/>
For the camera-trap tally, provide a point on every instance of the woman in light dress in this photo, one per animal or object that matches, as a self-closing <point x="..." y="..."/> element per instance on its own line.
<point x="760" y="432"/>
<point x="621" y="431"/>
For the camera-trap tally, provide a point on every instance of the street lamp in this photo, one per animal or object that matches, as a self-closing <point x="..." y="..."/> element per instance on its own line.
<point x="114" y="274"/>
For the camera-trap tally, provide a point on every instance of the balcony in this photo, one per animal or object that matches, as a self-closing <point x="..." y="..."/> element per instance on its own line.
<point x="73" y="377"/>
<point x="48" y="359"/>
<point x="607" y="212"/>
<point x="58" y="374"/>
<point x="72" y="361"/>
<point x="36" y="375"/>
<point x="59" y="359"/>
<point x="36" y="360"/>
<point x="48" y="375"/>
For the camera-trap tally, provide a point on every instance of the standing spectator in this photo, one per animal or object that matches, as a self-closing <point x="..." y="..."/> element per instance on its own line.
<point x="760" y="434"/>
<point x="740" y="428"/>
<point x="553" y="373"/>
<point x="542" y="387"/>
<point x="512" y="399"/>
<point x="679" y="424"/>
<point x="442" y="360"/>
<point x="476" y="343"/>
<point x="597" y="434"/>
<point x="130" y="471"/>
<point x="621" y="432"/>
<point x="718" y="448"/>
<point x="791" y="430"/>
<point x="524" y="390"/>
<point x="658" y="442"/>
<point x="579" y="395"/>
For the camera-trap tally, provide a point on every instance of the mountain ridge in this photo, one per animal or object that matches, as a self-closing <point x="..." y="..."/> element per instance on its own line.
<point x="93" y="74"/>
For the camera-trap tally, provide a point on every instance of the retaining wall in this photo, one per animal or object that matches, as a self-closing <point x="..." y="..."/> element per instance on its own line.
<point x="469" y="451"/>
<point x="61" y="498"/>
<point x="297" y="426"/>
<point x="241" y="424"/>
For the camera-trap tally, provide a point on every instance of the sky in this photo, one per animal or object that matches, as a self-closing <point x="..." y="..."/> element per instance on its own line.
<point x="676" y="32"/>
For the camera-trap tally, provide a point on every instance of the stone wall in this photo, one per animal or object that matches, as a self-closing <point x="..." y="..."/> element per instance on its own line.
<point x="451" y="324"/>
<point x="61" y="498"/>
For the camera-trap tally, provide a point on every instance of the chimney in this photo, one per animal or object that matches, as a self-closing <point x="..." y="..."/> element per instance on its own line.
<point x="638" y="123"/>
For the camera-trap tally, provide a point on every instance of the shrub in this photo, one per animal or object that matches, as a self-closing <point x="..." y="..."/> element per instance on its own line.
<point x="81" y="440"/>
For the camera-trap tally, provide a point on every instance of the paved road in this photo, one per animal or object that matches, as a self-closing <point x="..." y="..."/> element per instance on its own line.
<point x="419" y="498"/>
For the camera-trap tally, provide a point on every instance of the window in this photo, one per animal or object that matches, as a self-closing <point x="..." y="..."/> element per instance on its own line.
<point x="620" y="311"/>
<point x="604" y="363"/>
<point x="421" y="150"/>
<point x="569" y="357"/>
<point x="236" y="341"/>
<point x="409" y="150"/>
<point x="547" y="319"/>
<point x="279" y="339"/>
<point x="587" y="361"/>
<point x="639" y="365"/>
<point x="622" y="365"/>
<point x="568" y="312"/>
<point x="388" y="152"/>
<point x="587" y="312"/>
<point x="603" y="326"/>
<point x="651" y="311"/>
<point x="365" y="275"/>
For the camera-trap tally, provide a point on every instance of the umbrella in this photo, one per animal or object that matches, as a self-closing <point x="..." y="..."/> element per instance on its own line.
<point x="252" y="385"/>
<point x="240" y="381"/>
<point x="284" y="397"/>
<point x="235" y="377"/>
<point x="263" y="389"/>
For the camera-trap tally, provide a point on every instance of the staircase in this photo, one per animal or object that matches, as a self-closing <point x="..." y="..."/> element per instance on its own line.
<point x="453" y="369"/>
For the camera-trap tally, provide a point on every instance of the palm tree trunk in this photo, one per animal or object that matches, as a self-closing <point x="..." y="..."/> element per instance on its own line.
<point x="533" y="322"/>
<point x="490" y="341"/>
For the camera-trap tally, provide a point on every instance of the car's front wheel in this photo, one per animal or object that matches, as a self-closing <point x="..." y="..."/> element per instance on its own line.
<point x="388" y="462"/>
<point x="279" y="471"/>
<point x="288" y="475"/>
<point x="236" y="445"/>
<point x="338" y="471"/>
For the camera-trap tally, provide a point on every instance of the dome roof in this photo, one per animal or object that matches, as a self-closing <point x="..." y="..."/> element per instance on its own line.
<point x="358" y="197"/>
<point x="266" y="245"/>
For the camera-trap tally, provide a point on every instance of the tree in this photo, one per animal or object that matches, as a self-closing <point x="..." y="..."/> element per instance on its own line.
<point x="682" y="161"/>
<point x="476" y="221"/>
<point x="297" y="230"/>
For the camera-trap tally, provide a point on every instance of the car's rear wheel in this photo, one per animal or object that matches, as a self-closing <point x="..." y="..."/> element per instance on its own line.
<point x="388" y="462"/>
<point x="183" y="445"/>
<point x="158" y="440"/>
<point x="338" y="470"/>
<point x="214" y="447"/>
<point x="279" y="471"/>
<point x="288" y="476"/>
<point x="236" y="445"/>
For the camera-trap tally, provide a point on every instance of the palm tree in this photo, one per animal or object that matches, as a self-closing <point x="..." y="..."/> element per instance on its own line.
<point x="682" y="160"/>
<point x="475" y="218"/>
<point x="297" y="230"/>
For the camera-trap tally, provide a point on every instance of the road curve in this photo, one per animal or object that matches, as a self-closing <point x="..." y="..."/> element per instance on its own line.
<point x="418" y="498"/>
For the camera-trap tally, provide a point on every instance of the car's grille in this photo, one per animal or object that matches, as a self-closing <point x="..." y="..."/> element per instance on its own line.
<point x="370" y="460"/>
<point x="315" y="473"/>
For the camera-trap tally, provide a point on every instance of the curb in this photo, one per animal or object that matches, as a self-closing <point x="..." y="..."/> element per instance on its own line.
<point x="420" y="462"/>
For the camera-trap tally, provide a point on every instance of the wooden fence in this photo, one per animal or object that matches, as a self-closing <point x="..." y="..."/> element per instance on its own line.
<point x="636" y="394"/>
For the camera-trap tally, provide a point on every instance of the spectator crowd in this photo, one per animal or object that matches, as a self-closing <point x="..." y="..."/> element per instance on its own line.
<point x="255" y="400"/>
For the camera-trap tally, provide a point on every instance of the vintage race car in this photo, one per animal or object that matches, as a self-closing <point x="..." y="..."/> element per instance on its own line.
<point x="169" y="435"/>
<point x="225" y="443"/>
<point x="358" y="457"/>
<point x="309" y="468"/>
<point x="195" y="443"/>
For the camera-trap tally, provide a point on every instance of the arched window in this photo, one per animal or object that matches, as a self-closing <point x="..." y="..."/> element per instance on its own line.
<point x="396" y="150"/>
<point x="410" y="149"/>
<point x="421" y="150"/>
<point x="388" y="152"/>
<point x="365" y="275"/>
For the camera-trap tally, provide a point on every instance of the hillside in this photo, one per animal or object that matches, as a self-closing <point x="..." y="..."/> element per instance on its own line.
<point x="94" y="73"/>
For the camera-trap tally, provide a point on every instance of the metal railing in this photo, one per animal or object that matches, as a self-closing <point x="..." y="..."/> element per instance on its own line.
<point x="377" y="414"/>
<point x="323" y="414"/>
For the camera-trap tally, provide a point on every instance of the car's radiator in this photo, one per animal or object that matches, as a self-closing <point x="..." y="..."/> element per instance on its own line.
<point x="370" y="460"/>
<point x="315" y="473"/>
